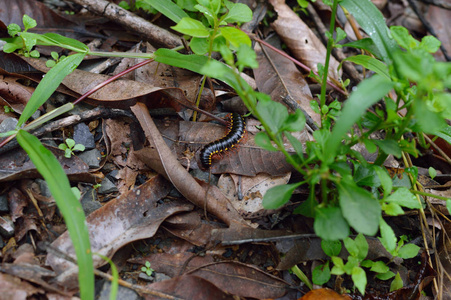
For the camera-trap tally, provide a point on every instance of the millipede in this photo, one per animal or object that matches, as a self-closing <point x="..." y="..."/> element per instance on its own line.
<point x="235" y="133"/>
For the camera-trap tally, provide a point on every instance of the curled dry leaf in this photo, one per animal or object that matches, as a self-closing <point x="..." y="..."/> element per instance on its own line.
<point x="133" y="216"/>
<point x="13" y="93"/>
<point x="13" y="288"/>
<point x="160" y="158"/>
<point x="302" y="42"/>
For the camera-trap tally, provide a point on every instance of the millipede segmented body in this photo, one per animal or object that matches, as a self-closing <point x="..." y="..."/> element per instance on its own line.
<point x="235" y="133"/>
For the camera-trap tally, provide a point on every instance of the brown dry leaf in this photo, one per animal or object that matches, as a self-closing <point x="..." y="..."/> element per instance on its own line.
<point x="15" y="164"/>
<point x="248" y="159"/>
<point x="439" y="19"/>
<point x="14" y="93"/>
<point x="16" y="201"/>
<point x="232" y="277"/>
<point x="278" y="77"/>
<point x="188" y="287"/>
<point x="159" y="157"/>
<point x="302" y="42"/>
<point x="324" y="294"/>
<point x="13" y="288"/>
<point x="133" y="216"/>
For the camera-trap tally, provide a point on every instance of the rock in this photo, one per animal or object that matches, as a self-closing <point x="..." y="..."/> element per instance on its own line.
<point x="91" y="158"/>
<point x="8" y="124"/>
<point x="145" y="277"/>
<point x="89" y="200"/>
<point x="6" y="227"/>
<point x="122" y="293"/>
<point x="160" y="277"/>
<point x="4" y="207"/>
<point x="83" y="136"/>
<point x="44" y="187"/>
<point x="106" y="187"/>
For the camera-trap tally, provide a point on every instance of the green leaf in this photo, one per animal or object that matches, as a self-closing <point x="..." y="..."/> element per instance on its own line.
<point x="365" y="44"/>
<point x="448" y="206"/>
<point x="368" y="93"/>
<point x="199" y="45"/>
<point x="413" y="67"/>
<point x="235" y="36"/>
<point x="408" y="251"/>
<point x="263" y="140"/>
<point x="392" y="209"/>
<point x="373" y="22"/>
<point x="115" y="274"/>
<point x="62" y="146"/>
<point x="362" y="246"/>
<point x="277" y="196"/>
<point x="50" y="63"/>
<point x="366" y="176"/>
<point x="389" y="147"/>
<point x="321" y="274"/>
<point x="11" y="47"/>
<point x="385" y="276"/>
<point x="341" y="35"/>
<point x="74" y="217"/>
<point x="360" y="209"/>
<point x="169" y="9"/>
<point x="192" y="27"/>
<point x="297" y="145"/>
<point x="49" y="83"/>
<point x="380" y="267"/>
<point x="294" y="122"/>
<point x="402" y="36"/>
<point x="430" y="44"/>
<point x="70" y="143"/>
<point x="371" y="64"/>
<point x="367" y="263"/>
<point x="388" y="237"/>
<point x="432" y="172"/>
<point x="331" y="248"/>
<point x="329" y="224"/>
<point x="384" y="178"/>
<point x="338" y="268"/>
<point x="397" y="283"/>
<point x="246" y="57"/>
<point x="274" y="113"/>
<point x="404" y="197"/>
<point x="28" y="22"/>
<point x="359" y="278"/>
<point x="63" y="42"/>
<point x="67" y="153"/>
<point x="351" y="246"/>
<point x="79" y="147"/>
<point x="13" y="29"/>
<point x="239" y="12"/>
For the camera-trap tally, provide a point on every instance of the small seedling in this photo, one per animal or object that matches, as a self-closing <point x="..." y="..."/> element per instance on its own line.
<point x="7" y="109"/>
<point x="56" y="58"/>
<point x="147" y="269"/>
<point x="69" y="147"/>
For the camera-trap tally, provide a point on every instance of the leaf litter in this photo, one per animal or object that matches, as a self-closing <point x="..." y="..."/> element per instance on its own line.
<point x="180" y="240"/>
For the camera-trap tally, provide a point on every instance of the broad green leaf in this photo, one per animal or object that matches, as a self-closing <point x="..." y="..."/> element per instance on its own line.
<point x="338" y="268"/>
<point x="297" y="145"/>
<point x="413" y="67"/>
<point x="368" y="93"/>
<point x="392" y="209"/>
<point x="389" y="147"/>
<point x="359" y="208"/>
<point x="365" y="44"/>
<point x="70" y="143"/>
<point x="235" y="36"/>
<point x="359" y="278"/>
<point x="321" y="274"/>
<point x="331" y="248"/>
<point x="169" y="9"/>
<point x="366" y="176"/>
<point x="238" y="12"/>
<point x="192" y="27"/>
<point x="351" y="264"/>
<point x="351" y="246"/>
<point x="373" y="22"/>
<point x="69" y="206"/>
<point x="49" y="84"/>
<point x="362" y="246"/>
<point x="404" y="197"/>
<point x="388" y="237"/>
<point x="28" y="22"/>
<point x="246" y="57"/>
<point x="294" y="122"/>
<point x="199" y="45"/>
<point x="66" y="42"/>
<point x="385" y="276"/>
<point x="329" y="224"/>
<point x="403" y="37"/>
<point x="274" y="113"/>
<point x="430" y="44"/>
<point x="371" y="64"/>
<point x="408" y="251"/>
<point x="379" y="267"/>
<point x="279" y="195"/>
<point x="263" y="140"/>
<point x="308" y="207"/>
<point x="396" y="283"/>
<point x="13" y="29"/>
<point x="428" y="121"/>
<point x="385" y="179"/>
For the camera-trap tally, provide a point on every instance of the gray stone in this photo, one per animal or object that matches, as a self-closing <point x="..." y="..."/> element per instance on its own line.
<point x="145" y="277"/>
<point x="83" y="136"/>
<point x="122" y="293"/>
<point x="161" y="277"/>
<point x="6" y="227"/>
<point x="4" y="207"/>
<point x="44" y="187"/>
<point x="8" y="124"/>
<point x="91" y="158"/>
<point x="89" y="200"/>
<point x="106" y="187"/>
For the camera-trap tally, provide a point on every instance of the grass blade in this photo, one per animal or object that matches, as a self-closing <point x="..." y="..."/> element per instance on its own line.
<point x="169" y="9"/>
<point x="49" y="167"/>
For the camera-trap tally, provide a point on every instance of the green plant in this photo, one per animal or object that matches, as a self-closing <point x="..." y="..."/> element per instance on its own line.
<point x="51" y="63"/>
<point x="7" y="109"/>
<point x="69" y="147"/>
<point x="147" y="269"/>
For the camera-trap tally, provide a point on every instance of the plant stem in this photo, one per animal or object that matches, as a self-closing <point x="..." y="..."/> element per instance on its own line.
<point x="430" y="195"/>
<point x="329" y="50"/>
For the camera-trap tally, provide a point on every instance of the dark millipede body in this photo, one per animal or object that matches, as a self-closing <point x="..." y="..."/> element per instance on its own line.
<point x="236" y="131"/>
